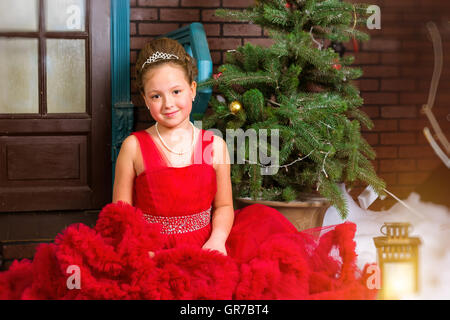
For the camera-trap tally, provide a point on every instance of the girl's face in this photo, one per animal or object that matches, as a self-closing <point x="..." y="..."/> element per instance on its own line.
<point x="168" y="95"/>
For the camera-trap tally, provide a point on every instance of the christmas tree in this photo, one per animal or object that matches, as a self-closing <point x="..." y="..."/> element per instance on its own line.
<point x="303" y="89"/>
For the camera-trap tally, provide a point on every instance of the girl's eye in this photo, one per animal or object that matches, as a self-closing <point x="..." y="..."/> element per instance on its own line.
<point x="155" y="96"/>
<point x="176" y="91"/>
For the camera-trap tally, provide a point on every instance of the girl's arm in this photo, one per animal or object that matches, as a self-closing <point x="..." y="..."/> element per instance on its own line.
<point x="223" y="211"/>
<point x="125" y="172"/>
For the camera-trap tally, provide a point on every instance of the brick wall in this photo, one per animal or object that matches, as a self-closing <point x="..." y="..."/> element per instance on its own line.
<point x="397" y="63"/>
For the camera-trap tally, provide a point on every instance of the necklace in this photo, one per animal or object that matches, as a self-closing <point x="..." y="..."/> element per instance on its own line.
<point x="170" y="149"/>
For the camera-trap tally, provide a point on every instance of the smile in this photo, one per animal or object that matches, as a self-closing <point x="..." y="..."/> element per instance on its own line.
<point x="170" y="114"/>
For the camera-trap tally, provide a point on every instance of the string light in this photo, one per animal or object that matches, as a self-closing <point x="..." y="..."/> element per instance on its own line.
<point x="283" y="166"/>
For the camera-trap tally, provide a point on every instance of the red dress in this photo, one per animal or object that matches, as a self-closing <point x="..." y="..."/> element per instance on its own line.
<point x="171" y="216"/>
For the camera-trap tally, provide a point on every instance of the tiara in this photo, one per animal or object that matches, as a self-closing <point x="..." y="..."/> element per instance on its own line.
<point x="159" y="56"/>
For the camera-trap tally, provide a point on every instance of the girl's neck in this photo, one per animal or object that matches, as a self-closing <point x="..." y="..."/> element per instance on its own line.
<point x="178" y="139"/>
<point x="182" y="126"/>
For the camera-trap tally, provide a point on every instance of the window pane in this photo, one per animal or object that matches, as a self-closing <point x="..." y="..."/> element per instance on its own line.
<point x="66" y="76"/>
<point x="19" y="15"/>
<point x="65" y="15"/>
<point x="19" y="83"/>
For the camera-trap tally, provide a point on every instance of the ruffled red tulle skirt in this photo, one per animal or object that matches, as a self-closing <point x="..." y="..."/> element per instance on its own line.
<point x="267" y="259"/>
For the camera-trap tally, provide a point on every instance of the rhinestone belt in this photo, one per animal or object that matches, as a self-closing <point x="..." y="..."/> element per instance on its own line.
<point x="181" y="224"/>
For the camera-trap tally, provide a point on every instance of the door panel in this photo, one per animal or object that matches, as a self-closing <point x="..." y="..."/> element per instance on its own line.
<point x="42" y="161"/>
<point x="50" y="161"/>
<point x="55" y="148"/>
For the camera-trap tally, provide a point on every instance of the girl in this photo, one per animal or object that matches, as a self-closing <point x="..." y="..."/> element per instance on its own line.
<point x="165" y="76"/>
<point x="171" y="231"/>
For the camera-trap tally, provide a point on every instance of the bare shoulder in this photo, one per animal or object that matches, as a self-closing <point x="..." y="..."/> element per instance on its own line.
<point x="125" y="171"/>
<point x="220" y="148"/>
<point x="130" y="145"/>
<point x="218" y="141"/>
<point x="128" y="152"/>
<point x="218" y="144"/>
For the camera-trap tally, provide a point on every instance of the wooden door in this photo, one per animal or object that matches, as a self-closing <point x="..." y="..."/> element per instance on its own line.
<point x="55" y="119"/>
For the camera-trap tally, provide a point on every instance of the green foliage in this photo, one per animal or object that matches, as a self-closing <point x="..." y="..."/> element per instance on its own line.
<point x="304" y="90"/>
<point x="253" y="101"/>
<point x="288" y="194"/>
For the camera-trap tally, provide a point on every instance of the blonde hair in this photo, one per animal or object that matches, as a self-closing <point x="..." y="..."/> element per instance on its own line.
<point x="169" y="47"/>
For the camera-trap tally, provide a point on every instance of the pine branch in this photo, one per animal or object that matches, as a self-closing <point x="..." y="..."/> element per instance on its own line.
<point x="331" y="191"/>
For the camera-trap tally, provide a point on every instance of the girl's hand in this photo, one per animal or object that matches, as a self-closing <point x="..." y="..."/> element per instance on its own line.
<point x="151" y="254"/>
<point x="217" y="245"/>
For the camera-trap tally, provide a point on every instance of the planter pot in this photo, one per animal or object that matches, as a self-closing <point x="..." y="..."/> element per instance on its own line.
<point x="302" y="214"/>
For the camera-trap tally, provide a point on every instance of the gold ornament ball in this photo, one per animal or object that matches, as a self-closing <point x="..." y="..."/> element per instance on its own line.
<point x="235" y="106"/>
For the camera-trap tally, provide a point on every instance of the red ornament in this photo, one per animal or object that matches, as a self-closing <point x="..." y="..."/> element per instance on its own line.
<point x="337" y="65"/>
<point x="355" y="45"/>
<point x="217" y="75"/>
<point x="288" y="5"/>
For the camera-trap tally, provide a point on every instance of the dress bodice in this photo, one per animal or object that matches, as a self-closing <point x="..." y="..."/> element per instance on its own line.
<point x="175" y="191"/>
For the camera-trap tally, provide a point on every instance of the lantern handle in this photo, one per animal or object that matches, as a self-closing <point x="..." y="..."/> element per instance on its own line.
<point x="383" y="231"/>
